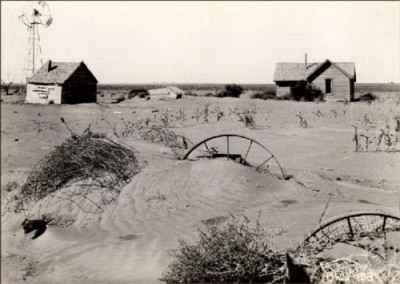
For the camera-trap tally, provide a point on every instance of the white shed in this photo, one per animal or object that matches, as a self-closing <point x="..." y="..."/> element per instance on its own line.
<point x="164" y="93"/>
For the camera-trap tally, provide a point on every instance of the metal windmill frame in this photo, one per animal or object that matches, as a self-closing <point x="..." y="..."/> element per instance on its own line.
<point x="33" y="15"/>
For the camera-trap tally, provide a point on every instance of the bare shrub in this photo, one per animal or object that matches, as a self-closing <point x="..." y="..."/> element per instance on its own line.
<point x="166" y="118"/>
<point x="140" y="93"/>
<point x="219" y="112"/>
<point x="120" y="98"/>
<point x="245" y="115"/>
<point x="202" y="112"/>
<point x="397" y="128"/>
<point x="318" y="113"/>
<point x="180" y="117"/>
<point x="191" y="94"/>
<point x="103" y="118"/>
<point x="142" y="130"/>
<point x="302" y="121"/>
<point x="267" y="95"/>
<point x="232" y="90"/>
<point x="386" y="137"/>
<point x="89" y="156"/>
<point x="368" y="98"/>
<point x="306" y="92"/>
<point x="206" y="112"/>
<point x="197" y="114"/>
<point x="232" y="253"/>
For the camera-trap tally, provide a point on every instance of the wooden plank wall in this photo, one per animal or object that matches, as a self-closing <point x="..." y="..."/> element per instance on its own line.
<point x="43" y="93"/>
<point x="341" y="88"/>
<point x="81" y="87"/>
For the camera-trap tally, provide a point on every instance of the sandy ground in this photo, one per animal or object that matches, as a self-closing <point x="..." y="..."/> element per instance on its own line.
<point x="169" y="199"/>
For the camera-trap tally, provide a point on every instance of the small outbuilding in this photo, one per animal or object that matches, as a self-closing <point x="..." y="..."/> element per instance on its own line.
<point x="164" y="93"/>
<point x="62" y="83"/>
<point x="334" y="79"/>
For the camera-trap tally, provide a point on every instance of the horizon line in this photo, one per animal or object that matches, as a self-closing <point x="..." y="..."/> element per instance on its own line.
<point x="196" y="83"/>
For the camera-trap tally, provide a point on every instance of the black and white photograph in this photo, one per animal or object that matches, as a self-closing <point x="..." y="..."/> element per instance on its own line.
<point x="200" y="142"/>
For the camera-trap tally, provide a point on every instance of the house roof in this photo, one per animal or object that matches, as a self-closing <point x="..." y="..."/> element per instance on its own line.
<point x="176" y="90"/>
<point x="165" y="91"/>
<point x="58" y="73"/>
<point x="298" y="72"/>
<point x="160" y="91"/>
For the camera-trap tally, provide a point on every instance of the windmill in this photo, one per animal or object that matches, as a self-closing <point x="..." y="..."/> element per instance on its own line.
<point x="34" y="15"/>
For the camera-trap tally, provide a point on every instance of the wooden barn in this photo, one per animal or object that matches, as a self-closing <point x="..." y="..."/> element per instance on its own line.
<point x="334" y="79"/>
<point x="62" y="83"/>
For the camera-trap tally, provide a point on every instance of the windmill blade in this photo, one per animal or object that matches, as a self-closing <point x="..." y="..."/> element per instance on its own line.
<point x="49" y="22"/>
<point x="36" y="13"/>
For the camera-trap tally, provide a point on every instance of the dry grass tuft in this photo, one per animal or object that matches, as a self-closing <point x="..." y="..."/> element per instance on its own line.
<point x="158" y="134"/>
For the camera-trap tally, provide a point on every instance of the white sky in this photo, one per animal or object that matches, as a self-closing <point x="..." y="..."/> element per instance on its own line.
<point x="208" y="42"/>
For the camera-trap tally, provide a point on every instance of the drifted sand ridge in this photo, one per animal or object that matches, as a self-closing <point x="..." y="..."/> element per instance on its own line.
<point x="129" y="240"/>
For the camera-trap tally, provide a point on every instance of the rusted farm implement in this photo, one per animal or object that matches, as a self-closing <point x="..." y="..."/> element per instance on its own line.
<point x="205" y="151"/>
<point x="350" y="228"/>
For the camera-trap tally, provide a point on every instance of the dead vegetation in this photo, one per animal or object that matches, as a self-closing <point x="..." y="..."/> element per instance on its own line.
<point x="303" y="123"/>
<point x="348" y="270"/>
<point x="322" y="270"/>
<point x="236" y="252"/>
<point x="90" y="158"/>
<point x="231" y="253"/>
<point x="385" y="140"/>
<point x="364" y="231"/>
<point x="142" y="130"/>
<point x="245" y="115"/>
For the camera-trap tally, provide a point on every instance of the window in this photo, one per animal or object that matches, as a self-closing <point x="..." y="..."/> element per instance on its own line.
<point x="328" y="86"/>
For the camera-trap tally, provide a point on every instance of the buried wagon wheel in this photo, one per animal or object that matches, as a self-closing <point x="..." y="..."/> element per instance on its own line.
<point x="235" y="147"/>
<point x="352" y="229"/>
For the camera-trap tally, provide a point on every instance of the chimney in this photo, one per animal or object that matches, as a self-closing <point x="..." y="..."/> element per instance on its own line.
<point x="49" y="66"/>
<point x="305" y="60"/>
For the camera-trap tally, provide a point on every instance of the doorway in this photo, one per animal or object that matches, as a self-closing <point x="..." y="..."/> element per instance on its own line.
<point x="328" y="86"/>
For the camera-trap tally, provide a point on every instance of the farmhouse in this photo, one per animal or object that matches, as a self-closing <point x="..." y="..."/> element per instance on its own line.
<point x="62" y="83"/>
<point x="168" y="92"/>
<point x="335" y="79"/>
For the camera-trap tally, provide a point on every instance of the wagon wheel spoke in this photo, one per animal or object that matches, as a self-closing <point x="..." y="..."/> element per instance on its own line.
<point x="263" y="163"/>
<point x="247" y="152"/>
<point x="208" y="149"/>
<point x="227" y="147"/>
<point x="384" y="223"/>
<point x="350" y="228"/>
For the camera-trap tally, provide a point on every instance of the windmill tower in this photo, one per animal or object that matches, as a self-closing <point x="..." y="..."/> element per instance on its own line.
<point x="34" y="15"/>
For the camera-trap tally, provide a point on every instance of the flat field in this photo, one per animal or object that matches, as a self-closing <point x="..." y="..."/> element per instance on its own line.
<point x="129" y="240"/>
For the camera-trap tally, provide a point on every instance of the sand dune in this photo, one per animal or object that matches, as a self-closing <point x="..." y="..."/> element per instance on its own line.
<point x="128" y="241"/>
<point x="160" y="205"/>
